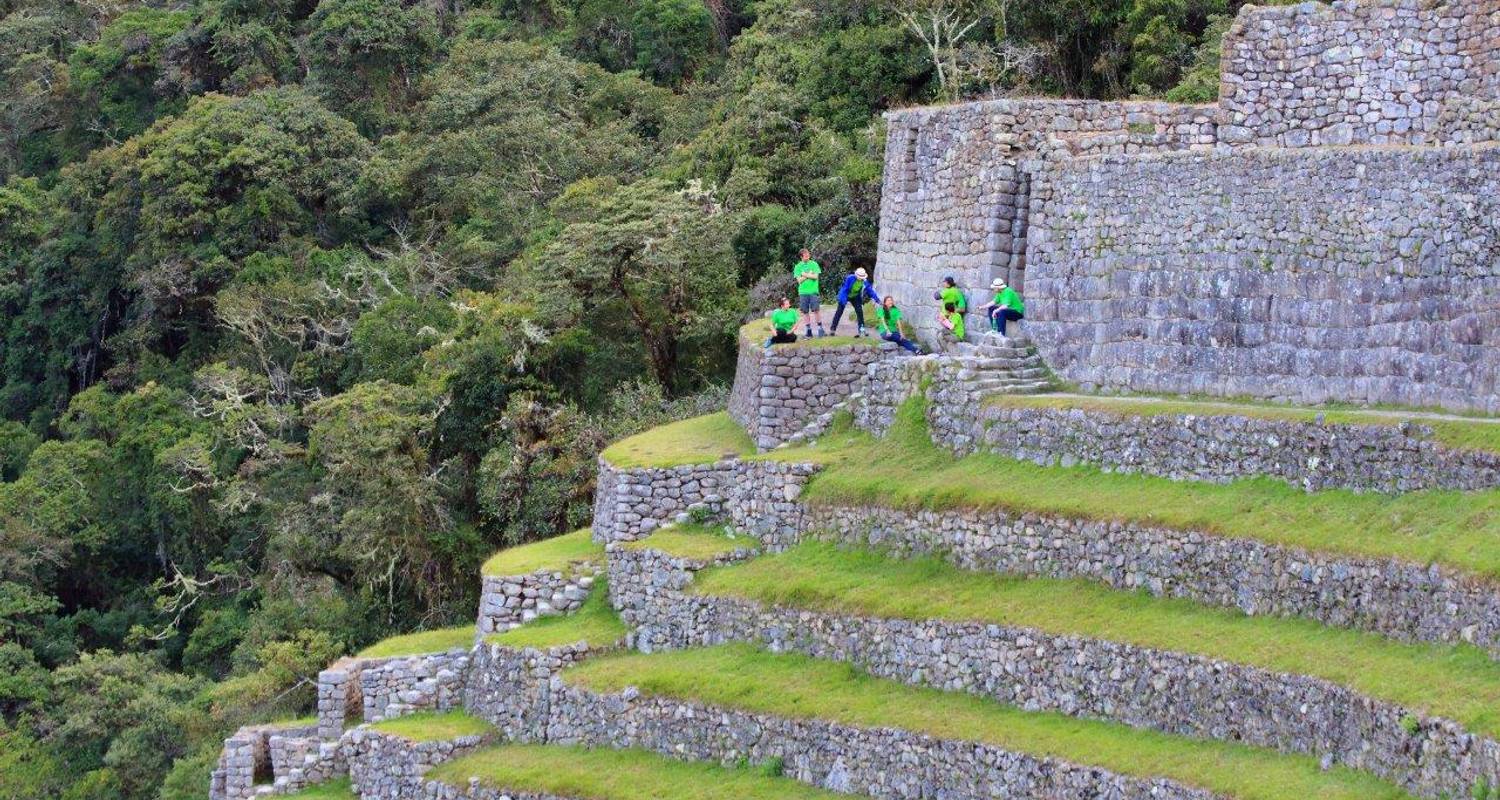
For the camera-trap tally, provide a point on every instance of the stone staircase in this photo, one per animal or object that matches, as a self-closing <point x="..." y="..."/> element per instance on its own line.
<point x="995" y="364"/>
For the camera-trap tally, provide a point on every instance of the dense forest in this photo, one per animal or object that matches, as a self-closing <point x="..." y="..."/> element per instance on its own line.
<point x="307" y="307"/>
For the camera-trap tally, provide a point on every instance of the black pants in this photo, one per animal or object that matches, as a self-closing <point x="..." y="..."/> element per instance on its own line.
<point x="999" y="316"/>
<point x="859" y="313"/>
<point x="781" y="337"/>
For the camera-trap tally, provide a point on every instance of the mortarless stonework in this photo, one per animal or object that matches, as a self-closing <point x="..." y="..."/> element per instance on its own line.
<point x="1172" y="692"/>
<point x="386" y="767"/>
<point x="777" y="394"/>
<point x="395" y="687"/>
<point x="756" y="496"/>
<point x="507" y="602"/>
<point x="1302" y="275"/>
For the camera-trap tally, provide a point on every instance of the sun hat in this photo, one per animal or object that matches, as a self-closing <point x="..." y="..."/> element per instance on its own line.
<point x="861" y="274"/>
<point x="998" y="283"/>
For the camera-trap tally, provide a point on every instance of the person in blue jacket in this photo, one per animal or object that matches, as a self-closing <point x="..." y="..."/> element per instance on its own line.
<point x="856" y="289"/>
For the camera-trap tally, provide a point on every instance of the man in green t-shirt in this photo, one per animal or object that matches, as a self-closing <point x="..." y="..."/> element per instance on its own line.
<point x="806" y="273"/>
<point x="1006" y="307"/>
<point x="783" y="321"/>
<point x="888" y="324"/>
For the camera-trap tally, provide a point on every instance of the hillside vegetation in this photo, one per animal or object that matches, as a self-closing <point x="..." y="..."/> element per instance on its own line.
<point x="307" y="308"/>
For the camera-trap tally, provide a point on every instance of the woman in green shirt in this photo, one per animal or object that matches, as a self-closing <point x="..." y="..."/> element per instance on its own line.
<point x="952" y="320"/>
<point x="783" y="321"/>
<point x="888" y="324"/>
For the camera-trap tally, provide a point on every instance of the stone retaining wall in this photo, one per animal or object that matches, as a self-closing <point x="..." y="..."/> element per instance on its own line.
<point x="1396" y="599"/>
<point x="273" y="754"/>
<point x="395" y="687"/>
<point x="1299" y="275"/>
<point x="756" y="496"/>
<point x="1222" y="448"/>
<point x="508" y="687"/>
<point x="777" y="394"/>
<point x="507" y="602"/>
<point x="385" y="767"/>
<point x="1172" y="692"/>
<point x="1356" y="72"/>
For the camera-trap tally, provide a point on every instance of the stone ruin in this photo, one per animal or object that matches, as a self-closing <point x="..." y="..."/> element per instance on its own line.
<point x="1326" y="232"/>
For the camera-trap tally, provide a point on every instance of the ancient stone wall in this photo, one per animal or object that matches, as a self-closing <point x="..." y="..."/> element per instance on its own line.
<point x="506" y="602"/>
<point x="1173" y="692"/>
<point x="395" y="687"/>
<point x="1305" y="275"/>
<point x="511" y="688"/>
<point x="1366" y="72"/>
<point x="756" y="496"/>
<point x="386" y="767"/>
<point x="777" y="394"/>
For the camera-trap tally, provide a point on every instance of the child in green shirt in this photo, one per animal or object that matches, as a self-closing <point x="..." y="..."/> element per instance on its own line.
<point x="806" y="274"/>
<point x="783" y="321"/>
<point x="952" y="320"/>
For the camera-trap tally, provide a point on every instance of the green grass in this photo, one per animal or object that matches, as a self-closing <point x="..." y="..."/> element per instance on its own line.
<point x="755" y="332"/>
<point x="700" y="440"/>
<point x="906" y="470"/>
<point x="604" y="774"/>
<point x="594" y="622"/>
<point x="559" y="554"/>
<point x="415" y="644"/>
<point x="432" y="726"/>
<point x="336" y="789"/>
<point x="699" y="542"/>
<point x="1451" y="431"/>
<point x="1461" y="683"/>
<point x="743" y="677"/>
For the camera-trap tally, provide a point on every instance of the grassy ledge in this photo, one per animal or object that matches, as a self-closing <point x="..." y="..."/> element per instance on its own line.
<point x="560" y="553"/>
<point x="337" y="789"/>
<point x="422" y="642"/>
<point x="1461" y="683"/>
<point x="698" y="542"/>
<point x="755" y="332"/>
<point x="905" y="469"/>
<point x="603" y="774"/>
<point x="742" y="677"/>
<point x="1456" y="431"/>
<point x="432" y="726"/>
<point x="700" y="440"/>
<point x="594" y="623"/>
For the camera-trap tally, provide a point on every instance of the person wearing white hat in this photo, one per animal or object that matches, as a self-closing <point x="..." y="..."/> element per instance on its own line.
<point x="1006" y="307"/>
<point x="856" y="290"/>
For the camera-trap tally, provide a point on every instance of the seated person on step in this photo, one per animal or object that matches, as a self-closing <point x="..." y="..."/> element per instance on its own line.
<point x="952" y="321"/>
<point x="1006" y="307"/>
<point x="783" y="321"/>
<point x="888" y="324"/>
<point x="951" y="294"/>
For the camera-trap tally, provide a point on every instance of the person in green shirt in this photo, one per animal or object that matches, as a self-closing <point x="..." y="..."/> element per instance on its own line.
<point x="1006" y="307"/>
<point x="950" y="293"/>
<point x="952" y="320"/>
<point x="783" y="322"/>
<point x="888" y="324"/>
<point x="806" y="273"/>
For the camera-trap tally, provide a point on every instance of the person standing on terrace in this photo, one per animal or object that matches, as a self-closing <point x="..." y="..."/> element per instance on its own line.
<point x="783" y="322"/>
<point x="889" y="326"/>
<point x="806" y="273"/>
<point x="857" y="289"/>
<point x="1006" y="307"/>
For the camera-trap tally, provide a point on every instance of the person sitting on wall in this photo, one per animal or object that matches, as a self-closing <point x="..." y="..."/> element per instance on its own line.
<point x="783" y="322"/>
<point x="953" y="321"/>
<point x="951" y="294"/>
<point x="891" y="328"/>
<point x="1006" y="307"/>
<point x="857" y="289"/>
<point x="806" y="274"/>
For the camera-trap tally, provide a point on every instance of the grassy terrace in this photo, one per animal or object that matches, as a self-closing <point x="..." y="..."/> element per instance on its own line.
<point x="415" y="644"/>
<point x="1461" y="683"/>
<point x="430" y="726"/>
<point x="700" y="440"/>
<point x="742" y="677"/>
<point x="560" y="553"/>
<point x="602" y="774"/>
<point x="1476" y="433"/>
<point x="594" y="622"/>
<point x="905" y="470"/>
<point x="757" y="331"/>
<point x="700" y="542"/>
<point x="337" y="789"/>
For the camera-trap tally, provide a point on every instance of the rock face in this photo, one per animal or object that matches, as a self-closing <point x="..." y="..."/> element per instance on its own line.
<point x="1254" y="247"/>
